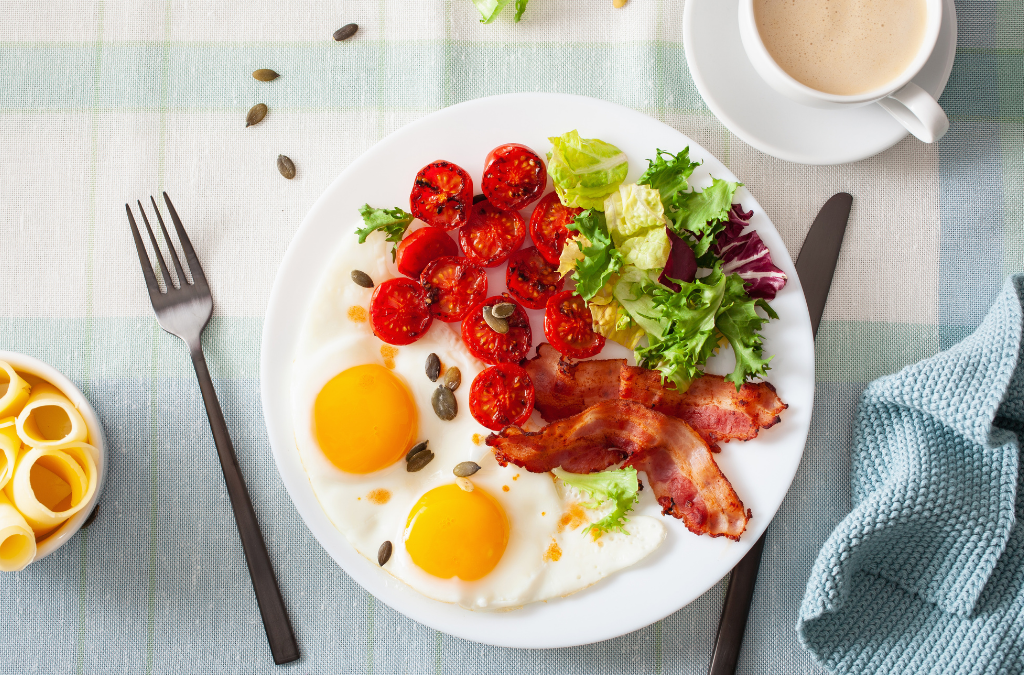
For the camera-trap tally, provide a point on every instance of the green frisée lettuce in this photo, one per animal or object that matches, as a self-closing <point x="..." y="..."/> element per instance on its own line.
<point x="704" y="214"/>
<point x="392" y="222"/>
<point x="738" y="321"/>
<point x="619" y="486"/>
<point x="490" y="9"/>
<point x="600" y="258"/>
<point x="629" y="292"/>
<point x="585" y="170"/>
<point x="668" y="173"/>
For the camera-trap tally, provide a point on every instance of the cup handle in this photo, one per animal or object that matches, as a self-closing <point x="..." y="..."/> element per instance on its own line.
<point x="915" y="109"/>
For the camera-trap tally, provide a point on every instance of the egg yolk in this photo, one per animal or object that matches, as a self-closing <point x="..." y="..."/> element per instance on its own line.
<point x="365" y="419"/>
<point x="454" y="533"/>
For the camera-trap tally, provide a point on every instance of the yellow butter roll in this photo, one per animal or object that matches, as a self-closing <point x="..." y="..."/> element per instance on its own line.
<point x="17" y="540"/>
<point x="49" y="486"/>
<point x="10" y="444"/>
<point x="49" y="419"/>
<point x="14" y="390"/>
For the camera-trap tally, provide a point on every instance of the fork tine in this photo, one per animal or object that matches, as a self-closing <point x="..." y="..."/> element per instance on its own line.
<point x="194" y="267"/>
<point x="156" y="250"/>
<point x="182" y="281"/>
<point x="147" y="266"/>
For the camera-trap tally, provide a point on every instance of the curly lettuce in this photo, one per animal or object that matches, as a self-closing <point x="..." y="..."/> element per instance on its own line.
<point x="600" y="259"/>
<point x="619" y="486"/>
<point x="585" y="170"/>
<point x="393" y="222"/>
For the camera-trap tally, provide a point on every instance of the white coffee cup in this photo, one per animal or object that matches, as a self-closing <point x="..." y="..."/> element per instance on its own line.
<point x="911" y="105"/>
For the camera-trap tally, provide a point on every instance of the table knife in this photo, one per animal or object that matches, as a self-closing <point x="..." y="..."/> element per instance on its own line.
<point x="814" y="266"/>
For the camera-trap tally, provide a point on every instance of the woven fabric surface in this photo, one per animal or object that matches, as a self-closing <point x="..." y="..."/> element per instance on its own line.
<point x="104" y="103"/>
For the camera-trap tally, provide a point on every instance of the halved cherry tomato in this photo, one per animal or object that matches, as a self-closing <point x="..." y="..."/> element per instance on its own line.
<point x="398" y="311"/>
<point x="514" y="177"/>
<point x="441" y="195"/>
<point x="491" y="235"/>
<point x="501" y="395"/>
<point x="569" y="327"/>
<point x="422" y="246"/>
<point x="453" y="286"/>
<point x="490" y="346"/>
<point x="548" y="226"/>
<point x="531" y="279"/>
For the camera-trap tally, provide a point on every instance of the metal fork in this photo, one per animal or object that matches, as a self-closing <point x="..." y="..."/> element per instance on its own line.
<point x="184" y="311"/>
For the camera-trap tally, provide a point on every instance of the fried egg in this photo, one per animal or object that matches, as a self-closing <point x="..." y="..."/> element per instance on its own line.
<point x="359" y="405"/>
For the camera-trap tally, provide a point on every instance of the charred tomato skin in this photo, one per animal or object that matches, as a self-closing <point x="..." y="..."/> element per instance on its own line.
<point x="569" y="327"/>
<point x="421" y="247"/>
<point x="492" y="347"/>
<point x="531" y="279"/>
<point x="491" y="235"/>
<point x="514" y="177"/>
<point x="441" y="195"/>
<point x="548" y="226"/>
<point x="399" y="314"/>
<point x="453" y="287"/>
<point x="501" y="395"/>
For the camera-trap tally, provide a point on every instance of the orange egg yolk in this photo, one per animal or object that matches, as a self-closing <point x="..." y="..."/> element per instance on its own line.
<point x="454" y="533"/>
<point x="365" y="419"/>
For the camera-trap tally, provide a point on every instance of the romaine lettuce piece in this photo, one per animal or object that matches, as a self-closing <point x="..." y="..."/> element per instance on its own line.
<point x="629" y="291"/>
<point x="619" y="485"/>
<point x="585" y="170"/>
<point x="633" y="210"/>
<point x="648" y="251"/>
<point x="600" y="258"/>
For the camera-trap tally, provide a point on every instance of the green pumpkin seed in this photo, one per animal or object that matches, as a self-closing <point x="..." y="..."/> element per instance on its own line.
<point x="464" y="469"/>
<point x="345" y="32"/>
<point x="384" y="553"/>
<point x="496" y="324"/>
<point x="443" y="401"/>
<point x="503" y="310"/>
<point x="286" y="167"/>
<point x="465" y="484"/>
<point x="256" y="114"/>
<point x="433" y="367"/>
<point x="452" y="378"/>
<point x="416" y="449"/>
<point x="362" y="279"/>
<point x="419" y="460"/>
<point x="265" y="75"/>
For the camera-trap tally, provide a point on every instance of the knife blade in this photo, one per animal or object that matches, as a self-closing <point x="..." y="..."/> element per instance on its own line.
<point x="815" y="266"/>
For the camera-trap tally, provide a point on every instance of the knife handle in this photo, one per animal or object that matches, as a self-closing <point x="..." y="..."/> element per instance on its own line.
<point x="735" y="610"/>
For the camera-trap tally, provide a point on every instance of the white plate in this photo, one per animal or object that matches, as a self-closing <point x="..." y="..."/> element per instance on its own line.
<point x="776" y="125"/>
<point x="761" y="470"/>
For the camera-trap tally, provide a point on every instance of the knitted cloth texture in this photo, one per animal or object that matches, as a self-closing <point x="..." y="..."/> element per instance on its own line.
<point x="926" y="574"/>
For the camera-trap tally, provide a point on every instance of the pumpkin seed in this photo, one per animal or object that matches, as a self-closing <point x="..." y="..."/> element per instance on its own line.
<point x="384" y="553"/>
<point x="345" y="32"/>
<point x="362" y="279"/>
<point x="286" y="167"/>
<point x="496" y="324"/>
<point x="265" y="75"/>
<point x="256" y="114"/>
<point x="444" y="403"/>
<point x="419" y="460"/>
<point x="463" y="469"/>
<point x="416" y="449"/>
<point x="433" y="367"/>
<point x="452" y="378"/>
<point x="503" y="310"/>
<point x="465" y="484"/>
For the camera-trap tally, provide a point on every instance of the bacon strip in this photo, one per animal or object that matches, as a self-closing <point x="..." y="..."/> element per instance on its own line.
<point x="680" y="467"/>
<point x="565" y="388"/>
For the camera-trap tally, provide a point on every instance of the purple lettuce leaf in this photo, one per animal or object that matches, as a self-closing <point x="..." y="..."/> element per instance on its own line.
<point x="747" y="256"/>
<point x="681" y="265"/>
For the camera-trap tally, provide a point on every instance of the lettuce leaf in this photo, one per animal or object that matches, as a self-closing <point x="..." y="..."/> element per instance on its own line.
<point x="490" y="9"/>
<point x="520" y="8"/>
<point x="648" y="251"/>
<point x="633" y="210"/>
<point x="619" y="485"/>
<point x="585" y="170"/>
<point x="394" y="222"/>
<point x="611" y="319"/>
<point x="669" y="176"/>
<point x="629" y="292"/>
<point x="703" y="214"/>
<point x="747" y="256"/>
<point x="600" y="258"/>
<point x="739" y="323"/>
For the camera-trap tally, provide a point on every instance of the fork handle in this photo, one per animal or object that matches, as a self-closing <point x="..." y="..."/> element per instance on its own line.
<point x="268" y="595"/>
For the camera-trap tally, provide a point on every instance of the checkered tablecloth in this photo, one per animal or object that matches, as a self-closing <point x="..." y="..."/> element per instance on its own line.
<point x="103" y="103"/>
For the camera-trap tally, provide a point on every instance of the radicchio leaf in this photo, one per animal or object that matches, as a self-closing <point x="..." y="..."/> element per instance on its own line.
<point x="681" y="265"/>
<point x="747" y="256"/>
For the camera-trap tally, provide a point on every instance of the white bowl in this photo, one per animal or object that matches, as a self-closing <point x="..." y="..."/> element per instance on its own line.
<point x="33" y="366"/>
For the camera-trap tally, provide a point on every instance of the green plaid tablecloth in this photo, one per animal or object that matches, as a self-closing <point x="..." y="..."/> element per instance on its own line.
<point x="103" y="103"/>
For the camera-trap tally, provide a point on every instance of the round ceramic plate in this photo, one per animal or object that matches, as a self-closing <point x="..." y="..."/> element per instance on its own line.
<point x="776" y="125"/>
<point x="685" y="565"/>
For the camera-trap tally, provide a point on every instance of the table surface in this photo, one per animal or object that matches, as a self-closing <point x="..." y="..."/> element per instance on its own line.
<point x="107" y="103"/>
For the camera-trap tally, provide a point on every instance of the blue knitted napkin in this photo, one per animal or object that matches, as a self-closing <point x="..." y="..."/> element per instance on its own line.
<point x="926" y="574"/>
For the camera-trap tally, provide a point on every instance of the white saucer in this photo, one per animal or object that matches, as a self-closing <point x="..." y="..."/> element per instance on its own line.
<point x="774" y="124"/>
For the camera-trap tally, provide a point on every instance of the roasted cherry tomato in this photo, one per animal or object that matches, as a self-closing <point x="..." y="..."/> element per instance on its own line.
<point x="548" y="226"/>
<point x="454" y="286"/>
<point x="491" y="234"/>
<point x="399" y="314"/>
<point x="441" y="195"/>
<point x="491" y="346"/>
<point x="501" y="395"/>
<point x="422" y="246"/>
<point x="569" y="327"/>
<point x="514" y="177"/>
<point x="531" y="279"/>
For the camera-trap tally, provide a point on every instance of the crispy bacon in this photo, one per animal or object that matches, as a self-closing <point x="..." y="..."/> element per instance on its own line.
<point x="680" y="467"/>
<point x="711" y="405"/>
